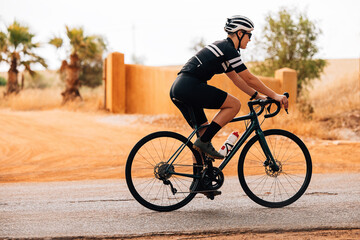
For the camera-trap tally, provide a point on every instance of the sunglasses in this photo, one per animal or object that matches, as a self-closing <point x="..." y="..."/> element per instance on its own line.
<point x="249" y="34"/>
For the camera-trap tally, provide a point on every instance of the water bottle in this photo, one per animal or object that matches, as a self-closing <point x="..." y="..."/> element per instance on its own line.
<point x="229" y="144"/>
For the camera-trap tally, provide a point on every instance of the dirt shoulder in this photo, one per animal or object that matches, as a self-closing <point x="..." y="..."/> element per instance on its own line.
<point x="235" y="235"/>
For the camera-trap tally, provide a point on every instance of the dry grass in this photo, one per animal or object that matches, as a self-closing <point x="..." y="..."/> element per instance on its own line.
<point x="50" y="98"/>
<point x="43" y="92"/>
<point x="335" y="100"/>
<point x="336" y="96"/>
<point x="336" y="111"/>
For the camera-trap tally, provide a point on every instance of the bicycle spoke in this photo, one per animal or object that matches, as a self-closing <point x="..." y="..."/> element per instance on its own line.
<point x="149" y="155"/>
<point x="284" y="189"/>
<point x="259" y="150"/>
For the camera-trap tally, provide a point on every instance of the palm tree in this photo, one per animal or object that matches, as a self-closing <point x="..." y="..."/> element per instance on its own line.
<point x="85" y="50"/>
<point x="16" y="49"/>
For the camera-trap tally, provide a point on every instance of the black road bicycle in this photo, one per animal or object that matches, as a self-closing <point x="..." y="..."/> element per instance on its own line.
<point x="164" y="172"/>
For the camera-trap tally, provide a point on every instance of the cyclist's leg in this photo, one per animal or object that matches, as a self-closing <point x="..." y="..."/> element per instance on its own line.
<point x="228" y="110"/>
<point x="229" y="106"/>
<point x="213" y="98"/>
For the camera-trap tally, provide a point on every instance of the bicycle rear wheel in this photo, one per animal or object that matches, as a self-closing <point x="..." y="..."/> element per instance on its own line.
<point x="154" y="180"/>
<point x="271" y="188"/>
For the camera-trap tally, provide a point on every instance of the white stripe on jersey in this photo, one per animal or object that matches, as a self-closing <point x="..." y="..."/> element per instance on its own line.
<point x="236" y="64"/>
<point x="235" y="59"/>
<point x="224" y="66"/>
<point x="213" y="51"/>
<point x="198" y="59"/>
<point x="217" y="49"/>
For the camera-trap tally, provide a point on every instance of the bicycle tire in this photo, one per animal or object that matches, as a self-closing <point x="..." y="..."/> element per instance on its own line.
<point x="143" y="170"/>
<point x="285" y="186"/>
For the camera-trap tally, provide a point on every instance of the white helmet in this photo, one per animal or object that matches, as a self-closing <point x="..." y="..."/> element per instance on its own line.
<point x="238" y="22"/>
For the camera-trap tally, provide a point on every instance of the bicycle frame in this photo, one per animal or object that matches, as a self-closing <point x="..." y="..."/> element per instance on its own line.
<point x="254" y="126"/>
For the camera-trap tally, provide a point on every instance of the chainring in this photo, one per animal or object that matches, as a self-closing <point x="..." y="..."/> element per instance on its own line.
<point x="212" y="179"/>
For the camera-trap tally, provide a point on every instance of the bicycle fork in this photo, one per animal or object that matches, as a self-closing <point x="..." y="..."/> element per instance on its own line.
<point x="270" y="161"/>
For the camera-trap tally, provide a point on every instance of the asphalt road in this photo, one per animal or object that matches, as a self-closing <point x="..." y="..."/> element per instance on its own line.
<point x="106" y="208"/>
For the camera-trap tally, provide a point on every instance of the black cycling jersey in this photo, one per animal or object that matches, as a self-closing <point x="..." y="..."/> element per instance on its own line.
<point x="216" y="58"/>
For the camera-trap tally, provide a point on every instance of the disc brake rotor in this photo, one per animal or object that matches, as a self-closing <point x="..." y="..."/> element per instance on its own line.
<point x="269" y="169"/>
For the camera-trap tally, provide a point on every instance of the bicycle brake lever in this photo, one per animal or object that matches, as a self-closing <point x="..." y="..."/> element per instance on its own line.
<point x="287" y="96"/>
<point x="269" y="107"/>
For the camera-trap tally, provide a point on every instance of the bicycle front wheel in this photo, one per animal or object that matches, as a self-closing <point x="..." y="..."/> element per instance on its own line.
<point x="279" y="187"/>
<point x="160" y="171"/>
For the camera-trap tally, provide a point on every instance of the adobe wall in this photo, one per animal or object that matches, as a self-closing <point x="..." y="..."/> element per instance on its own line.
<point x="145" y="89"/>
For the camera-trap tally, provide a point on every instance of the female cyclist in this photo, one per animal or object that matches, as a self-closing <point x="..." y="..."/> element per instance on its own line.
<point x="191" y="88"/>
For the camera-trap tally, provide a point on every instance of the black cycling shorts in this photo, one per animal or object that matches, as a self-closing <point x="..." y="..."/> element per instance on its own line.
<point x="191" y="91"/>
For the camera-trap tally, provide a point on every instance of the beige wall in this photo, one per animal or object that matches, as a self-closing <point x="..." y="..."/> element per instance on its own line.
<point x="145" y="90"/>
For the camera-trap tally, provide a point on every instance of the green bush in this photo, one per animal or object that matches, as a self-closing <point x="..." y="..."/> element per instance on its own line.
<point x="91" y="75"/>
<point x="36" y="81"/>
<point x="2" y="81"/>
<point x="290" y="40"/>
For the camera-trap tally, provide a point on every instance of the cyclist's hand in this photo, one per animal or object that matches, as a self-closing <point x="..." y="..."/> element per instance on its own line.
<point x="262" y="97"/>
<point x="283" y="100"/>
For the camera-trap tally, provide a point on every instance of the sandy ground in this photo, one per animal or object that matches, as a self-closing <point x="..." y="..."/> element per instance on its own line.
<point x="60" y="145"/>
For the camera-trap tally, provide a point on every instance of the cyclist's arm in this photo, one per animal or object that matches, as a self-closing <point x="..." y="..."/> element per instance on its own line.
<point x="240" y="83"/>
<point x="257" y="84"/>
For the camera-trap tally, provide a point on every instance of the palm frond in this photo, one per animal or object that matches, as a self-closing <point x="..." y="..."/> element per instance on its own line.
<point x="28" y="68"/>
<point x="3" y="42"/>
<point x="56" y="41"/>
<point x="19" y="34"/>
<point x="16" y="47"/>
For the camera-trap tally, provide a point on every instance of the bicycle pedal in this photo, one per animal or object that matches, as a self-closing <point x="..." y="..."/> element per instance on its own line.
<point x="211" y="195"/>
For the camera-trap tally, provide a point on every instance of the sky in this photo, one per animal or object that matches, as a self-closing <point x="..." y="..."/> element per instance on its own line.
<point x="161" y="32"/>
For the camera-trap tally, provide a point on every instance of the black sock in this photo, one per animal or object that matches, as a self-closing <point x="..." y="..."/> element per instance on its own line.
<point x="210" y="132"/>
